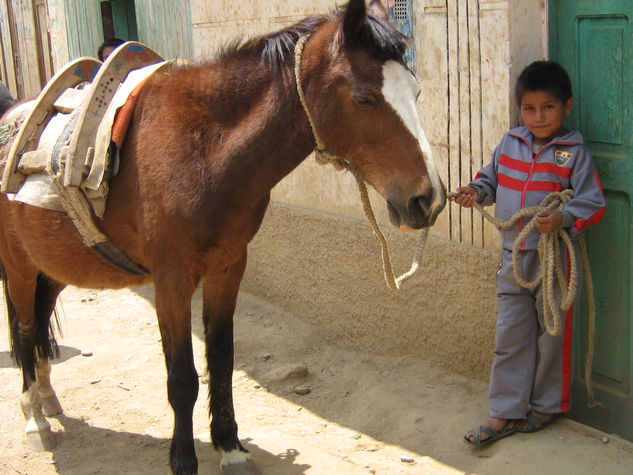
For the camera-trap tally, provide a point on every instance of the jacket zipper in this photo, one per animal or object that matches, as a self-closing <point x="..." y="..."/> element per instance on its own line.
<point x="529" y="177"/>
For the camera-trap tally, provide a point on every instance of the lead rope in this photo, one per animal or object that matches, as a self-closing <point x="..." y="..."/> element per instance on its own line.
<point x="322" y="157"/>
<point x="551" y="267"/>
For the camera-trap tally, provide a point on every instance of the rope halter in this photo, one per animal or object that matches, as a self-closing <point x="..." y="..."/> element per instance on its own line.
<point x="320" y="153"/>
<point x="323" y="156"/>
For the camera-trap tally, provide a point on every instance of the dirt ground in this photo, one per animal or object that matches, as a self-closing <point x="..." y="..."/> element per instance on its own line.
<point x="362" y="414"/>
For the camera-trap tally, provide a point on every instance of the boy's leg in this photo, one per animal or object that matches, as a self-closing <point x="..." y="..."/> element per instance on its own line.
<point x="552" y="383"/>
<point x="513" y="370"/>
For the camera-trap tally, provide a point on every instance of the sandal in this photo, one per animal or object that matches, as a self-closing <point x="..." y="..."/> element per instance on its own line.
<point x="534" y="423"/>
<point x="508" y="428"/>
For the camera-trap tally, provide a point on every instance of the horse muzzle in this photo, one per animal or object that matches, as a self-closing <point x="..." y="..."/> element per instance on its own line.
<point x="419" y="211"/>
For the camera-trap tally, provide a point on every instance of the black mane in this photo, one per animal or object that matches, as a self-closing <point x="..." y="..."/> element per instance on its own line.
<point x="383" y="40"/>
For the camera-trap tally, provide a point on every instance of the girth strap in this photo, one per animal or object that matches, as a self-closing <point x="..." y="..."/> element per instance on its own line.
<point x="115" y="256"/>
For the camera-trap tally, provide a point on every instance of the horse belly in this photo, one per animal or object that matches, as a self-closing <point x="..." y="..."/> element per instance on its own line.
<point x="54" y="246"/>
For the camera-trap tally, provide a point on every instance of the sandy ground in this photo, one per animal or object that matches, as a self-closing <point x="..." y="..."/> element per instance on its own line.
<point x="364" y="414"/>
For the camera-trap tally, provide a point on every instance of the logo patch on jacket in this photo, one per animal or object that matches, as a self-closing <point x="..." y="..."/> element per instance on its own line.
<point x="562" y="157"/>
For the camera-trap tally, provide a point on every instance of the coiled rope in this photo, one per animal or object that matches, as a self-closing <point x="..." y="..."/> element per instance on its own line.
<point x="552" y="269"/>
<point x="323" y="156"/>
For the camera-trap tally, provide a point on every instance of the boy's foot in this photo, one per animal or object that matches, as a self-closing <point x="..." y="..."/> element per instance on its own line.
<point x="493" y="430"/>
<point x="535" y="421"/>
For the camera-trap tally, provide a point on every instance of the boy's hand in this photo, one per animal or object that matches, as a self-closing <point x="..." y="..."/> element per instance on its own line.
<point x="466" y="196"/>
<point x="548" y="221"/>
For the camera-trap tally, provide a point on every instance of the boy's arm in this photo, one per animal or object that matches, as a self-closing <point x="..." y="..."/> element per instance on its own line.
<point x="486" y="181"/>
<point x="465" y="196"/>
<point x="587" y="207"/>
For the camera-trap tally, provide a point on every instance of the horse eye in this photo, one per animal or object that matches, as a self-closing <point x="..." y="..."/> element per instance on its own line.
<point x="364" y="100"/>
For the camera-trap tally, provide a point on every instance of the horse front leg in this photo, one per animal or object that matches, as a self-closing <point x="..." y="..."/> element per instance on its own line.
<point x="173" y="308"/>
<point x="219" y="299"/>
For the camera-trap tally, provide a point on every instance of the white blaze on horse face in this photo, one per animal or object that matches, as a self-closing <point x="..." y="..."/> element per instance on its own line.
<point x="400" y="90"/>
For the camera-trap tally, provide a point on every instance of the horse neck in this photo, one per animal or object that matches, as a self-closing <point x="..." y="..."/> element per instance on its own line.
<point x="269" y="118"/>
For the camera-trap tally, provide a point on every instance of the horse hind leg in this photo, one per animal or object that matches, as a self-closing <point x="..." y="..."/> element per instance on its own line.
<point x="30" y="343"/>
<point x="38" y="429"/>
<point x="46" y="295"/>
<point x="50" y="404"/>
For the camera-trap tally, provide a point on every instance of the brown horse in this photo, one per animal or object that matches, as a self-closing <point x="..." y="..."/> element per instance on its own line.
<point x="205" y="146"/>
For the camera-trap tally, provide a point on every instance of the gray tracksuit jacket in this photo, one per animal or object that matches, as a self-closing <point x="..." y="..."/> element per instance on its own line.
<point x="517" y="178"/>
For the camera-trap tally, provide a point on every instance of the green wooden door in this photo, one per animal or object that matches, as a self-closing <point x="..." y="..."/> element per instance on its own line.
<point x="593" y="40"/>
<point x="119" y="19"/>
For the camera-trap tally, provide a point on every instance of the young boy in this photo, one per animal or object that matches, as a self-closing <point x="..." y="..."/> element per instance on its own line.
<point x="531" y="374"/>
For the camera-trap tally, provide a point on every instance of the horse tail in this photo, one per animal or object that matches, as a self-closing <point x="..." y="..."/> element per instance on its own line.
<point x="46" y="294"/>
<point x="45" y="340"/>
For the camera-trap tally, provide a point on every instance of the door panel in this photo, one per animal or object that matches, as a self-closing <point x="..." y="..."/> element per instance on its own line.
<point x="610" y="365"/>
<point x="593" y="40"/>
<point x="597" y="36"/>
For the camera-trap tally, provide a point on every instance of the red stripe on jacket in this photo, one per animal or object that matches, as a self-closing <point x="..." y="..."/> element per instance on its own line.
<point x="567" y="352"/>
<point x="519" y="185"/>
<point x="544" y="186"/>
<point x="551" y="168"/>
<point x="524" y="167"/>
<point x="511" y="183"/>
<point x="597" y="216"/>
<point x="592" y="220"/>
<point x="514" y="164"/>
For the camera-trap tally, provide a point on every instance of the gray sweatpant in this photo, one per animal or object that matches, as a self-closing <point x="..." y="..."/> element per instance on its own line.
<point x="532" y="369"/>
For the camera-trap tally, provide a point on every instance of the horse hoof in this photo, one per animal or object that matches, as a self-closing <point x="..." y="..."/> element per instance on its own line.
<point x="39" y="434"/>
<point x="171" y="472"/>
<point x="244" y="468"/>
<point x="42" y="440"/>
<point x="51" y="406"/>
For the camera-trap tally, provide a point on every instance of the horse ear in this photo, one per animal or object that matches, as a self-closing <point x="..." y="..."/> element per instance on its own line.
<point x="355" y="18"/>
<point x="377" y="9"/>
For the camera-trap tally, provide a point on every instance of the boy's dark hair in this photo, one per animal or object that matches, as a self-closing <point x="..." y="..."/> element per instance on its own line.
<point x="111" y="42"/>
<point x="544" y="76"/>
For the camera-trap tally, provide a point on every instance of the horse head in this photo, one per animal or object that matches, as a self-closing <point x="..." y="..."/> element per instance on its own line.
<point x="362" y="97"/>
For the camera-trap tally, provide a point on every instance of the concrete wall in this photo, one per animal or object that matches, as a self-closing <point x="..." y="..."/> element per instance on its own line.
<point x="327" y="269"/>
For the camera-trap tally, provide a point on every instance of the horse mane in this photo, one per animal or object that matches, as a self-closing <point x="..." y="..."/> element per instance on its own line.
<point x="383" y="40"/>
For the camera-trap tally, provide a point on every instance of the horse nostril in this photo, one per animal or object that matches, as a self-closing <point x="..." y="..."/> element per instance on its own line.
<point x="421" y="205"/>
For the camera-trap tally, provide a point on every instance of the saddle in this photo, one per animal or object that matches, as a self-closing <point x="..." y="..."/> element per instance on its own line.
<point x="69" y="141"/>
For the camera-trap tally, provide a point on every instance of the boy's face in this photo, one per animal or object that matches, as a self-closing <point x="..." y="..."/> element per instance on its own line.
<point x="543" y="114"/>
<point x="107" y="51"/>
